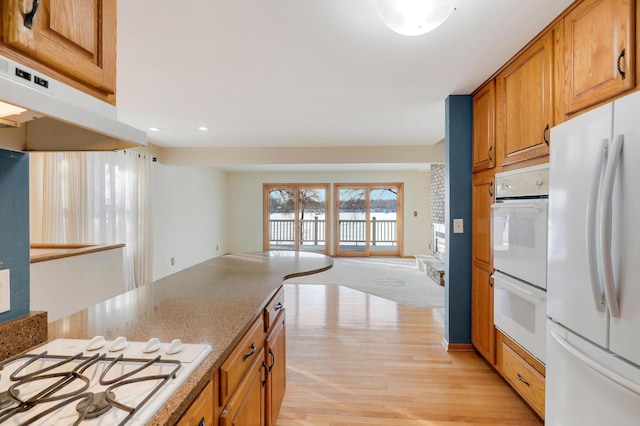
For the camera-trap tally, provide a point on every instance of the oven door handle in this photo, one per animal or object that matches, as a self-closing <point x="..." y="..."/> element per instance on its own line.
<point x="516" y="288"/>
<point x="592" y="243"/>
<point x="606" y="209"/>
<point x="505" y="205"/>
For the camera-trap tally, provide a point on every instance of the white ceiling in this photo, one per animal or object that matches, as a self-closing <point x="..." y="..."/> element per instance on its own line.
<point x="282" y="73"/>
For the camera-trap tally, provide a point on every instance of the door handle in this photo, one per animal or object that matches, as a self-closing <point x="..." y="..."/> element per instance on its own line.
<point x="247" y="355"/>
<point x="28" y="17"/>
<point x="622" y="73"/>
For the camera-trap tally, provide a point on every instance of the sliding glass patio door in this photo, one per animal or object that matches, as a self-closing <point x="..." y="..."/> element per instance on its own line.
<point x="368" y="219"/>
<point x="297" y="217"/>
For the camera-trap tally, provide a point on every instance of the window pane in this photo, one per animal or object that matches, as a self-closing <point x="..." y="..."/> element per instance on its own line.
<point x="282" y="217"/>
<point x="312" y="209"/>
<point x="352" y="219"/>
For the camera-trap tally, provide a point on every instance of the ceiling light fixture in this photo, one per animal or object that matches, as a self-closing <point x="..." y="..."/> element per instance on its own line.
<point x="203" y="128"/>
<point x="154" y="129"/>
<point x="414" y="17"/>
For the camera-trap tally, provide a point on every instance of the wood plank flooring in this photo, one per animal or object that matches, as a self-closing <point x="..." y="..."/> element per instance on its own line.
<point x="355" y="359"/>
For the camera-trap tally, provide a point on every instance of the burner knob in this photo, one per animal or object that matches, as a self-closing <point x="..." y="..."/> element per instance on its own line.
<point x="119" y="344"/>
<point x="175" y="347"/>
<point x="96" y="343"/>
<point x="152" y="345"/>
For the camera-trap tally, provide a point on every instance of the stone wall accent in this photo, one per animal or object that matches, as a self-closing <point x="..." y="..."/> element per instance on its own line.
<point x="437" y="198"/>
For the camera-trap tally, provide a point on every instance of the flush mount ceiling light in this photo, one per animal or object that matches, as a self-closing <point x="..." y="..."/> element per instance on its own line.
<point x="414" y="17"/>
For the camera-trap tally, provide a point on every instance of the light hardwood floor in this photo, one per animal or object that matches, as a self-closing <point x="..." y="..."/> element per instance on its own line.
<point x="355" y="359"/>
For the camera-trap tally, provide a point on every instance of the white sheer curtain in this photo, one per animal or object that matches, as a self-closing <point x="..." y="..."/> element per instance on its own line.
<point x="100" y="198"/>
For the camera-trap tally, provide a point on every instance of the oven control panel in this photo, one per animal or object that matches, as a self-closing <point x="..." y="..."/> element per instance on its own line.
<point x="526" y="182"/>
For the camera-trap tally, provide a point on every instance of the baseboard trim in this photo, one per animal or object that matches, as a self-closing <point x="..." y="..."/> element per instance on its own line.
<point x="457" y="347"/>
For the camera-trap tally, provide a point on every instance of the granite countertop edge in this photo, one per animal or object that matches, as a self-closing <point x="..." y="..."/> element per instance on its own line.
<point x="214" y="302"/>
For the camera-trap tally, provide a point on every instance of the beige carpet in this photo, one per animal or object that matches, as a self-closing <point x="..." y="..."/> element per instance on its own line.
<point x="394" y="279"/>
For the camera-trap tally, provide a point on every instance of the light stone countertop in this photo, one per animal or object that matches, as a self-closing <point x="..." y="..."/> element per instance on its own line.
<point x="213" y="302"/>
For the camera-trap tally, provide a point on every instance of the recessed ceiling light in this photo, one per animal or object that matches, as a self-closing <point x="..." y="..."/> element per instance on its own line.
<point x="203" y="128"/>
<point x="154" y="129"/>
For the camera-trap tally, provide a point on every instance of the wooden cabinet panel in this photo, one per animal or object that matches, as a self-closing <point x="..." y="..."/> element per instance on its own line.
<point x="273" y="308"/>
<point x="484" y="115"/>
<point x="523" y="377"/>
<point x="240" y="359"/>
<point x="482" y="328"/>
<point x="599" y="53"/>
<point x="74" y="37"/>
<point x="247" y="405"/>
<point x="482" y="194"/>
<point x="275" y="352"/>
<point x="200" y="413"/>
<point x="525" y="103"/>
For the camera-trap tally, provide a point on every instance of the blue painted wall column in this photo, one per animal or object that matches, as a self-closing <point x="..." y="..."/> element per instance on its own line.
<point x="458" y="183"/>
<point x="14" y="229"/>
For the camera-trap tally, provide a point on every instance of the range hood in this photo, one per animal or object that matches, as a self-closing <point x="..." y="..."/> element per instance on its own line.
<point x="58" y="117"/>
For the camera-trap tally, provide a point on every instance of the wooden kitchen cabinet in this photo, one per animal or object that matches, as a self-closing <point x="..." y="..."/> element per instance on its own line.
<point x="484" y="121"/>
<point x="234" y="368"/>
<point x="75" y="38"/>
<point x="275" y="352"/>
<point x="482" y="196"/>
<point x="200" y="413"/>
<point x="247" y="404"/>
<point x="523" y="372"/>
<point x="482" y="328"/>
<point x="524" y="98"/>
<point x="599" y="52"/>
<point x="252" y="379"/>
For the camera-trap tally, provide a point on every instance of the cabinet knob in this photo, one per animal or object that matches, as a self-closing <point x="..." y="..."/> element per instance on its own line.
<point x="28" y="18"/>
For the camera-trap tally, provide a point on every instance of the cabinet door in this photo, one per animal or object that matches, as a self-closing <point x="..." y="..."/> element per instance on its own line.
<point x="275" y="348"/>
<point x="484" y="110"/>
<point x="482" y="328"/>
<point x="74" y="37"/>
<point x="525" y="103"/>
<point x="200" y="413"/>
<point x="247" y="404"/>
<point x="599" y="56"/>
<point x="482" y="197"/>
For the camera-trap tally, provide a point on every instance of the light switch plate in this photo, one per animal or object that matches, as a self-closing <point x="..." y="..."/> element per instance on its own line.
<point x="5" y="291"/>
<point x="458" y="226"/>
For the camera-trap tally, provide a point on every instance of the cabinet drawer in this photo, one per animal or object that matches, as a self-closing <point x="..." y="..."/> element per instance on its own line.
<point x="241" y="358"/>
<point x="201" y="410"/>
<point x="524" y="379"/>
<point x="272" y="310"/>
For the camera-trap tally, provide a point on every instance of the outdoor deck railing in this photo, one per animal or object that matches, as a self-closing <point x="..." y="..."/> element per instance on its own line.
<point x="313" y="231"/>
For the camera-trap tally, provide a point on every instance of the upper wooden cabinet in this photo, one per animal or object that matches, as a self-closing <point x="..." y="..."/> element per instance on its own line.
<point x="524" y="96"/>
<point x="76" y="38"/>
<point x="599" y="52"/>
<point x="484" y="121"/>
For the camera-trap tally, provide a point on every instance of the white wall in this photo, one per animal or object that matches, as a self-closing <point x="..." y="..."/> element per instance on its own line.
<point x="245" y="203"/>
<point x="189" y="216"/>
<point x="67" y="285"/>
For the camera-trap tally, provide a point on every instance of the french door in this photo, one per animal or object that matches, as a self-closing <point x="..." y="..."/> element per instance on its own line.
<point x="368" y="220"/>
<point x="297" y="217"/>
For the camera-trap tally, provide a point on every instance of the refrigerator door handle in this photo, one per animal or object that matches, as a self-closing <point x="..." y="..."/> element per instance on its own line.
<point x="592" y="207"/>
<point x="594" y="365"/>
<point x="606" y="208"/>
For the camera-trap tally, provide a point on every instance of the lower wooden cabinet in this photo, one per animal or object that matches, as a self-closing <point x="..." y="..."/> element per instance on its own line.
<point x="482" y="328"/>
<point x="252" y="380"/>
<point x="276" y="353"/>
<point x="200" y="413"/>
<point x="523" y="372"/>
<point x="247" y="405"/>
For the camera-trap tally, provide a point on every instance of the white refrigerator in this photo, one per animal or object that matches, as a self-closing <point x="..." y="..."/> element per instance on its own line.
<point x="593" y="270"/>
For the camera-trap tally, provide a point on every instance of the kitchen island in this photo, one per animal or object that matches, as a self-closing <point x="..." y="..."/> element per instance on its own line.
<point x="214" y="302"/>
